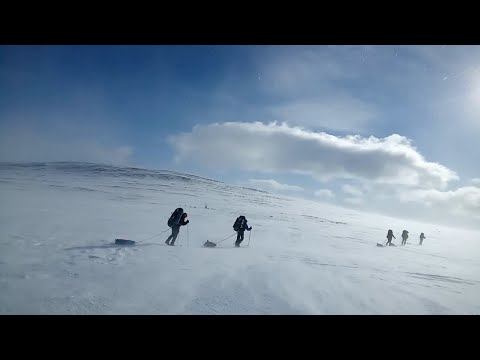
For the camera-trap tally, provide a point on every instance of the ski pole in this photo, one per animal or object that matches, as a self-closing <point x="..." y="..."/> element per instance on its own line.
<point x="188" y="236"/>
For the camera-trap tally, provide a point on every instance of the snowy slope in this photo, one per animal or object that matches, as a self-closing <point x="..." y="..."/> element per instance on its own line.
<point x="58" y="222"/>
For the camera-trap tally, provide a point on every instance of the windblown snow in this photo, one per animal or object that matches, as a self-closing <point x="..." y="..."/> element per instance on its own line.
<point x="59" y="221"/>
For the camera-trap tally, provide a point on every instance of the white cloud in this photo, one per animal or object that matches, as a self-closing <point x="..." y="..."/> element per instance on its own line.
<point x="356" y="196"/>
<point x="274" y="185"/>
<point x="352" y="190"/>
<point x="475" y="181"/>
<point x="354" y="200"/>
<point x="324" y="193"/>
<point x="281" y="148"/>
<point x="462" y="201"/>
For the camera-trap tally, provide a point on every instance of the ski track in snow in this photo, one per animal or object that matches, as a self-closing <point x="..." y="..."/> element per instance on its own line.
<point x="58" y="223"/>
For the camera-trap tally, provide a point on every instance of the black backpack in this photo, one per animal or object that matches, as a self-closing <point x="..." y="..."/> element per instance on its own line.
<point x="175" y="217"/>
<point x="238" y="224"/>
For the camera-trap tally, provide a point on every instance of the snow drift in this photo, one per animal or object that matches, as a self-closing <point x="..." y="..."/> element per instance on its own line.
<point x="58" y="223"/>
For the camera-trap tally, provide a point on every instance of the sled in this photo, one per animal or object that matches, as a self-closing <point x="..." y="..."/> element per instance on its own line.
<point x="124" y="242"/>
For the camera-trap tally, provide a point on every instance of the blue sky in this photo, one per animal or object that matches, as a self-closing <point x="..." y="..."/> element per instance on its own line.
<point x="138" y="105"/>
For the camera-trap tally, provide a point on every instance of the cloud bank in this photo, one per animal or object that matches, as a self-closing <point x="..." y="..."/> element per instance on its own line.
<point x="281" y="148"/>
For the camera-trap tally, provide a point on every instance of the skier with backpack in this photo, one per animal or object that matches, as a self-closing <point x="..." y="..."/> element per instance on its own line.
<point x="404" y="237"/>
<point x="389" y="237"/>
<point x="176" y="220"/>
<point x="422" y="236"/>
<point x="240" y="226"/>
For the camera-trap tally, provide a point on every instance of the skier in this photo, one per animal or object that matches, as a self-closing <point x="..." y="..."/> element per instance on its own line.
<point x="389" y="237"/>
<point x="176" y="220"/>
<point x="240" y="226"/>
<point x="404" y="237"/>
<point x="422" y="236"/>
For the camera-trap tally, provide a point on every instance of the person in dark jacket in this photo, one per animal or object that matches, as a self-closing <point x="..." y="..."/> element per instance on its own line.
<point x="241" y="230"/>
<point x="389" y="237"/>
<point x="404" y="237"/>
<point x="422" y="236"/>
<point x="176" y="229"/>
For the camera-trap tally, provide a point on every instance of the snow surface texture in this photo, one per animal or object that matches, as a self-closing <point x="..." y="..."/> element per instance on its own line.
<point x="59" y="221"/>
